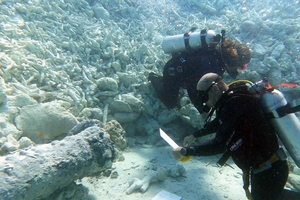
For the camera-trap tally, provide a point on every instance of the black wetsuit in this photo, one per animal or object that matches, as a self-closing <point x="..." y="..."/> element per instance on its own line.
<point x="184" y="71"/>
<point x="243" y="132"/>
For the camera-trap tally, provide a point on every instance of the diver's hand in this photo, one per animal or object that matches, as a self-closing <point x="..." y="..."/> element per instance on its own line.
<point x="177" y="153"/>
<point x="188" y="140"/>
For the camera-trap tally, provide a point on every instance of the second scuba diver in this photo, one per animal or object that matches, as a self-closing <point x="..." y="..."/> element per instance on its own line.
<point x="217" y="54"/>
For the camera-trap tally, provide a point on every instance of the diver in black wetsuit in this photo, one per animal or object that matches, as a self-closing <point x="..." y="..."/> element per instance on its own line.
<point x="243" y="133"/>
<point x="185" y="69"/>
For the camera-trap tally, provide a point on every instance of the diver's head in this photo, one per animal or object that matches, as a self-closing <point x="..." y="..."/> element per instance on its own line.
<point x="235" y="56"/>
<point x="209" y="89"/>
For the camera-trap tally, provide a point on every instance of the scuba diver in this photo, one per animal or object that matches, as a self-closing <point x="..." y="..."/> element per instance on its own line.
<point x="193" y="55"/>
<point x="246" y="134"/>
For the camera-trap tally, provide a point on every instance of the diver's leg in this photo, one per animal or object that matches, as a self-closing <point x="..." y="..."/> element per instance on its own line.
<point x="269" y="184"/>
<point x="165" y="89"/>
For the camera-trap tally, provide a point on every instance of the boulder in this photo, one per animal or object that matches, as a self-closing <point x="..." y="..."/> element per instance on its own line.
<point x="44" y="122"/>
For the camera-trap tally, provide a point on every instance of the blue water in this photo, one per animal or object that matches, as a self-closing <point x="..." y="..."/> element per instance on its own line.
<point x="57" y="51"/>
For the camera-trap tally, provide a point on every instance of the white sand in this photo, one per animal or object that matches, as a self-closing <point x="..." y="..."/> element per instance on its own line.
<point x="204" y="180"/>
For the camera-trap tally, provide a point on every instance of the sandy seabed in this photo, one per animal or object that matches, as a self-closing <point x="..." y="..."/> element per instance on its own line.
<point x="204" y="179"/>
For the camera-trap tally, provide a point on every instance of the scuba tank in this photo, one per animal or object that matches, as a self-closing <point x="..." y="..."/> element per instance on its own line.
<point x="189" y="41"/>
<point x="280" y="114"/>
<point x="286" y="124"/>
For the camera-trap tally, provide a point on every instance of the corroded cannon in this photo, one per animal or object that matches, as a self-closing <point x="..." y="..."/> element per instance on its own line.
<point x="39" y="171"/>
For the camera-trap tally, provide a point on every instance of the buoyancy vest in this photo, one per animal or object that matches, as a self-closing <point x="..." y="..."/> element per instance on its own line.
<point x="254" y="140"/>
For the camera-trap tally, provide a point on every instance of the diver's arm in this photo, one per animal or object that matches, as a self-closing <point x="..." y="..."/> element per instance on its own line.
<point x="211" y="127"/>
<point x="208" y="148"/>
<point x="228" y="117"/>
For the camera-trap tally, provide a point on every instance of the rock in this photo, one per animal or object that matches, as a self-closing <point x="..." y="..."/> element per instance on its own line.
<point x="131" y="141"/>
<point x="131" y="100"/>
<point x="124" y="117"/>
<point x="119" y="106"/>
<point x="44" y="122"/>
<point x="271" y="63"/>
<point x="190" y="115"/>
<point x="127" y="78"/>
<point x="277" y="51"/>
<point x="116" y="65"/>
<point x="167" y="116"/>
<point x="204" y="7"/>
<point x="21" y="100"/>
<point x="7" y="128"/>
<point x="290" y="43"/>
<point x="3" y="98"/>
<point x="140" y="52"/>
<point x="117" y="133"/>
<point x="259" y="50"/>
<point x="274" y="77"/>
<point x="195" y="117"/>
<point x="184" y="101"/>
<point x="107" y="84"/>
<point x="25" y="142"/>
<point x="2" y="141"/>
<point x="114" y="175"/>
<point x="130" y="129"/>
<point x="100" y="12"/>
<point x="249" y="26"/>
<point x="107" y="94"/>
<point x="91" y="113"/>
<point x="10" y="145"/>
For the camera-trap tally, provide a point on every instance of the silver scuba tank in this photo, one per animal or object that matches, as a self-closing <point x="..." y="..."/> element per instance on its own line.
<point x="190" y="40"/>
<point x="287" y="127"/>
